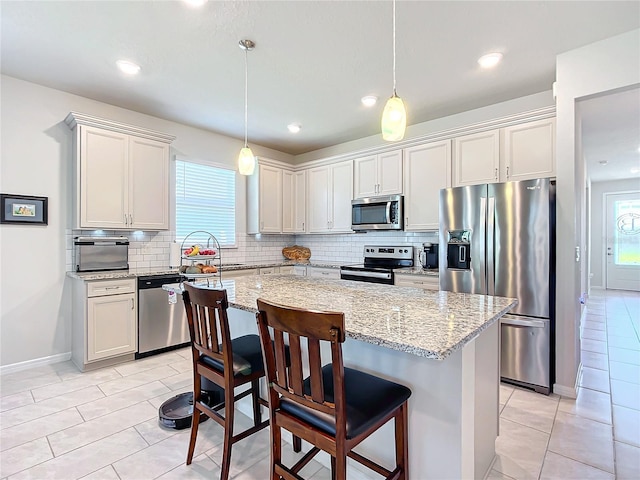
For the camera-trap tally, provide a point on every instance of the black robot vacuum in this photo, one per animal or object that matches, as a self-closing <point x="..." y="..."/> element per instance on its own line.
<point x="177" y="411"/>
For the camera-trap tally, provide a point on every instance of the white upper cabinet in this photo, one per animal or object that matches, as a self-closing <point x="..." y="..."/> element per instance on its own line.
<point x="276" y="200"/>
<point x="103" y="182"/>
<point x="294" y="201"/>
<point x="518" y="152"/>
<point x="529" y="150"/>
<point x="341" y="196"/>
<point x="270" y="202"/>
<point x="330" y="191"/>
<point x="427" y="169"/>
<point x="121" y="175"/>
<point x="148" y="184"/>
<point x="318" y="199"/>
<point x="378" y="175"/>
<point x="476" y="158"/>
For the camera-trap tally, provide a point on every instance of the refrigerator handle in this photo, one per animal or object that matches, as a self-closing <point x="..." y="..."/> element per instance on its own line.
<point x="483" y="237"/>
<point x="491" y="264"/>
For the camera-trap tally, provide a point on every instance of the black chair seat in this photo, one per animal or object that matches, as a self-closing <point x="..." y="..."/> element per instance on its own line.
<point x="368" y="399"/>
<point x="247" y="356"/>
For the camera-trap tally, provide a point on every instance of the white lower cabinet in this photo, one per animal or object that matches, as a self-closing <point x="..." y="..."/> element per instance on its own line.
<point x="333" y="273"/>
<point x="426" y="282"/>
<point x="269" y="270"/>
<point x="105" y="324"/>
<point x="231" y="274"/>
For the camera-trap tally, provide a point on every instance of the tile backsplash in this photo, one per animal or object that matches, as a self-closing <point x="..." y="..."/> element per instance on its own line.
<point x="151" y="249"/>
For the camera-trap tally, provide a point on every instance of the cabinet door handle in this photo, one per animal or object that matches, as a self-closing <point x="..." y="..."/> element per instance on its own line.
<point x="126" y="219"/>
<point x="111" y="288"/>
<point x="133" y="304"/>
<point x="303" y="226"/>
<point x="507" y="171"/>
<point x="130" y="219"/>
<point x="406" y="221"/>
<point x="496" y="174"/>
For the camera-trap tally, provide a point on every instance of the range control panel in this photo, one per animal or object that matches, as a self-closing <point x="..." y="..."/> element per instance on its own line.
<point x="399" y="252"/>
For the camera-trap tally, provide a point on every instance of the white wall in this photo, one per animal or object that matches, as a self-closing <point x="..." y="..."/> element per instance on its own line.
<point x="598" y="217"/>
<point x="599" y="67"/>
<point x="36" y="160"/>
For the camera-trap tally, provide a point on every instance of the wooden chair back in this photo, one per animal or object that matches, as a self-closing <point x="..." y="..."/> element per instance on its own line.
<point x="208" y="323"/>
<point x="298" y="326"/>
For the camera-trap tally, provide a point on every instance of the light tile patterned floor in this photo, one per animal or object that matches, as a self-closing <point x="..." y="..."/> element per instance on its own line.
<point x="56" y="422"/>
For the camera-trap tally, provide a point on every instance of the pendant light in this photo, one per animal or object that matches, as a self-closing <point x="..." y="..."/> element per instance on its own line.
<point x="246" y="159"/>
<point x="394" y="116"/>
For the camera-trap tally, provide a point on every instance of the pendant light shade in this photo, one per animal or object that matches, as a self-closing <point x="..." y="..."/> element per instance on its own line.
<point x="394" y="115"/>
<point x="394" y="120"/>
<point x="246" y="159"/>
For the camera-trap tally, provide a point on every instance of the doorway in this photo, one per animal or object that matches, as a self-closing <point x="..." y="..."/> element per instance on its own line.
<point x="622" y="232"/>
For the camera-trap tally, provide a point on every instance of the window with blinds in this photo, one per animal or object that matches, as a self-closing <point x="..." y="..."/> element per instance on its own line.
<point x="205" y="200"/>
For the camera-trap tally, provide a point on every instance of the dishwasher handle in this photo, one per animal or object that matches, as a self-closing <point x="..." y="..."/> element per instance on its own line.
<point x="156" y="281"/>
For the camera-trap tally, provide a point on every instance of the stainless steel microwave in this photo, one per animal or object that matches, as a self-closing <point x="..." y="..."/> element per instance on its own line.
<point x="377" y="213"/>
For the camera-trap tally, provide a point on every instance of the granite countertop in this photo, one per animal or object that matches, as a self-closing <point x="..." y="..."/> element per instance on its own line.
<point x="429" y="324"/>
<point x="142" y="272"/>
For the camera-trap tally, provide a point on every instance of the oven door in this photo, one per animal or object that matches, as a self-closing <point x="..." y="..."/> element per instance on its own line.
<point x="377" y="213"/>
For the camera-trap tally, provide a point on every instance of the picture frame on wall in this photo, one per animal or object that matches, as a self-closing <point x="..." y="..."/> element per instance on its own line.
<point x="23" y="209"/>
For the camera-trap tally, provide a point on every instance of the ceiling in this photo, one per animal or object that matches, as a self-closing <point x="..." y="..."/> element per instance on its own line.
<point x="312" y="63"/>
<point x="611" y="135"/>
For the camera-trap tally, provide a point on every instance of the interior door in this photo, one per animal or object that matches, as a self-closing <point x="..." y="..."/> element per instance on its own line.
<point x="623" y="241"/>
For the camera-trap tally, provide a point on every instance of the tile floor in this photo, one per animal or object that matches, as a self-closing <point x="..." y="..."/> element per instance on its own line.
<point x="56" y="422"/>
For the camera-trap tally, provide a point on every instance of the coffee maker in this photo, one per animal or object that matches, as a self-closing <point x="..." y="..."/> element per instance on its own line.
<point x="429" y="255"/>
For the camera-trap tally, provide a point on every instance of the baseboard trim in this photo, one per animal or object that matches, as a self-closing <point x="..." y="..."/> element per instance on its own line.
<point x="36" y="362"/>
<point x="569" y="392"/>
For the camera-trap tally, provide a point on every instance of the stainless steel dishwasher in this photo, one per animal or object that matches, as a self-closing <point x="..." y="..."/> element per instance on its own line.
<point x="162" y="326"/>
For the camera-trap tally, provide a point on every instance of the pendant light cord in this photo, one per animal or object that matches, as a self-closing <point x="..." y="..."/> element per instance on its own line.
<point x="246" y="89"/>
<point x="394" y="48"/>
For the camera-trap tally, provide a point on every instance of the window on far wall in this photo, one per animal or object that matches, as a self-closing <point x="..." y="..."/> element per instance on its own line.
<point x="205" y="200"/>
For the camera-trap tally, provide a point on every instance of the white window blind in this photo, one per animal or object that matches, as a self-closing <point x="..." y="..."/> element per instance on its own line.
<point x="205" y="200"/>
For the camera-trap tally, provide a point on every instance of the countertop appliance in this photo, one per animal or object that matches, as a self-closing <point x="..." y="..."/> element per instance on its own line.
<point x="377" y="213"/>
<point x="101" y="253"/>
<point x="379" y="262"/>
<point x="162" y="325"/>
<point x="499" y="239"/>
<point x="429" y="255"/>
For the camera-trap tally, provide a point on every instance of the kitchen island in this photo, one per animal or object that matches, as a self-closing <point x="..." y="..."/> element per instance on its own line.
<point x="444" y="346"/>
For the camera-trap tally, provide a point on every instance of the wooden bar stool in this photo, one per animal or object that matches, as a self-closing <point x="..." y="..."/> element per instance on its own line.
<point x="334" y="408"/>
<point x="229" y="363"/>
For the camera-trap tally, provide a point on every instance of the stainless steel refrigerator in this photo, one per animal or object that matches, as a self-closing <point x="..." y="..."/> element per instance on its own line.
<point x="499" y="239"/>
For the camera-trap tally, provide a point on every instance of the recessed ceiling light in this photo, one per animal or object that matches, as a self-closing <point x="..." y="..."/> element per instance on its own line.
<point x="369" y="100"/>
<point x="603" y="162"/>
<point x="127" y="67"/>
<point x="195" y="3"/>
<point x="635" y="170"/>
<point x="490" y="60"/>
<point x="294" y="127"/>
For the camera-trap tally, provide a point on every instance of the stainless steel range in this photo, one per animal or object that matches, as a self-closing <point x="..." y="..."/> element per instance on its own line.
<point x="379" y="262"/>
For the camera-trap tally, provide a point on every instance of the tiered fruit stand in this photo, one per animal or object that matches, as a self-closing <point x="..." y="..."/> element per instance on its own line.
<point x="190" y="259"/>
